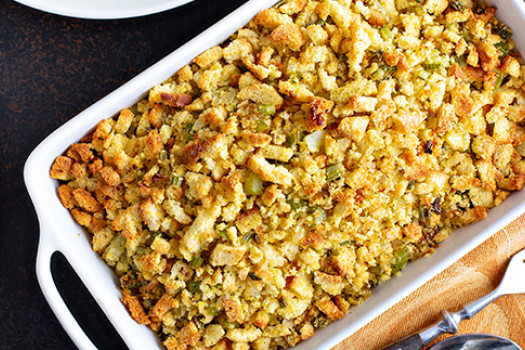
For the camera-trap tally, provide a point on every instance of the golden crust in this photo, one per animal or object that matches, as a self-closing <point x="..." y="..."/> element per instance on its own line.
<point x="81" y="217"/>
<point x="80" y="152"/>
<point x="330" y="309"/>
<point x="85" y="200"/>
<point x="288" y="35"/>
<point x="488" y="56"/>
<point x="189" y="334"/>
<point x="256" y="139"/>
<point x="60" y="168"/>
<point x="272" y="182"/>
<point x="135" y="309"/>
<point x="65" y="194"/>
<point x="232" y="310"/>
<point x="110" y="176"/>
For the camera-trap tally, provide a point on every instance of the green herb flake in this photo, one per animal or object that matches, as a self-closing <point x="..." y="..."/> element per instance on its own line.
<point x="297" y="203"/>
<point x="196" y="262"/>
<point x="432" y="65"/>
<point x="294" y="138"/>
<point x="253" y="276"/>
<point x="461" y="60"/>
<point x="457" y="5"/>
<point x="334" y="171"/>
<point x="247" y="237"/>
<point x="152" y="237"/>
<point x="499" y="81"/>
<point x="230" y="325"/>
<point x="213" y="311"/>
<point x="224" y="235"/>
<point x="189" y="134"/>
<point x="194" y="286"/>
<point x="320" y="322"/>
<point x="377" y="57"/>
<point x="176" y="180"/>
<point x="388" y="71"/>
<point x="332" y="252"/>
<point x="343" y="243"/>
<point x="502" y="47"/>
<point x="295" y="77"/>
<point x="423" y="214"/>
<point x="502" y="31"/>
<point x="231" y="107"/>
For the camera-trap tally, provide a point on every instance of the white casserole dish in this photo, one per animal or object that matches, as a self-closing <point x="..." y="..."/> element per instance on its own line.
<point x="59" y="232"/>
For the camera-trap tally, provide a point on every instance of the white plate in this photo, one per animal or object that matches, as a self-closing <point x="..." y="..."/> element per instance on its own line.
<point x="103" y="9"/>
<point x="59" y="232"/>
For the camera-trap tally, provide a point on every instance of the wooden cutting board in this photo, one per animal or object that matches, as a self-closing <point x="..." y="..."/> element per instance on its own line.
<point x="475" y="275"/>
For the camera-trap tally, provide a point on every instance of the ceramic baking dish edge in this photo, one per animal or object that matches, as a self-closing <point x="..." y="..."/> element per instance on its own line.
<point x="59" y="232"/>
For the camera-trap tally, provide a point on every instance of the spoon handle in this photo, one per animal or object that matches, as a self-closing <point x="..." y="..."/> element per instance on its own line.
<point x="474" y="307"/>
<point x="450" y="320"/>
<point x="449" y="324"/>
<point x="512" y="283"/>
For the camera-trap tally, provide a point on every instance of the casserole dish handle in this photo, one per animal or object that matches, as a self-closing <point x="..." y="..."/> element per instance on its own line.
<point x="47" y="284"/>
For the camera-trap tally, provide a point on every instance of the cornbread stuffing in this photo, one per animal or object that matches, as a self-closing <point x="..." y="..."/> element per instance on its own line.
<point x="268" y="186"/>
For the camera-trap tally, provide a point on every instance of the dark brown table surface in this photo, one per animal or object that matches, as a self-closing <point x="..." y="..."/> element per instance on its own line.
<point x="51" y="68"/>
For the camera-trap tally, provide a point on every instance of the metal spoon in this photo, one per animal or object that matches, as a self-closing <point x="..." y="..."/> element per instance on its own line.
<point x="475" y="341"/>
<point x="512" y="283"/>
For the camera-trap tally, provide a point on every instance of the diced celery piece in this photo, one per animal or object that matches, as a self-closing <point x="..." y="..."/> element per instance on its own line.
<point x="334" y="171"/>
<point x="293" y="138"/>
<point x="253" y="184"/>
<point x="194" y="286"/>
<point x="266" y="109"/>
<point x="295" y="77"/>
<point x="386" y="34"/>
<point x="296" y="203"/>
<point x="400" y="259"/>
<point x="176" y="180"/>
<point x="498" y="83"/>
<point x="196" y="261"/>
<point x="115" y="248"/>
<point x="433" y="65"/>
<point x="262" y="125"/>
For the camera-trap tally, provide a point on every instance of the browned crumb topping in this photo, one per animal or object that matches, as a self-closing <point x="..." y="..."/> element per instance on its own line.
<point x="269" y="185"/>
